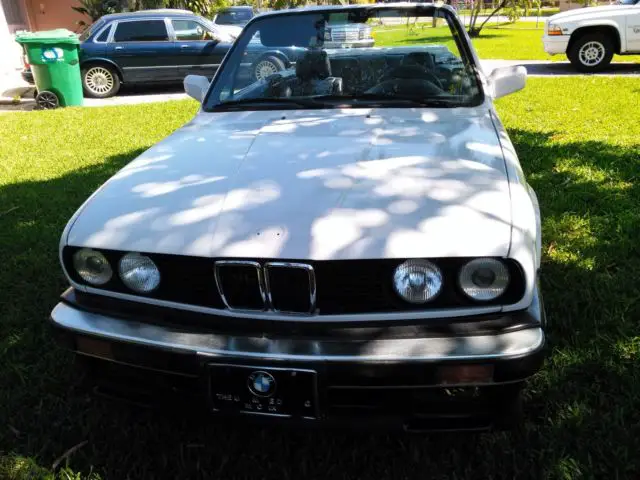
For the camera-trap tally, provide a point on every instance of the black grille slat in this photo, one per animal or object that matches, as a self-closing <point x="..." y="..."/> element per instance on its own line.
<point x="240" y="286"/>
<point x="366" y="286"/>
<point x="340" y="286"/>
<point x="416" y="399"/>
<point x="289" y="289"/>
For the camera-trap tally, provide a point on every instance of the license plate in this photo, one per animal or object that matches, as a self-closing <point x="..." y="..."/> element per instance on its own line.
<point x="263" y="391"/>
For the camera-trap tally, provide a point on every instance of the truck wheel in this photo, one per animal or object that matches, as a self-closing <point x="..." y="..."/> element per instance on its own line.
<point x="267" y="66"/>
<point x="100" y="81"/>
<point x="591" y="52"/>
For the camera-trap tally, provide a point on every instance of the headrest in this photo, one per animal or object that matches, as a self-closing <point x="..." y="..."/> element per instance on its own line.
<point x="423" y="59"/>
<point x="314" y="64"/>
<point x="407" y="72"/>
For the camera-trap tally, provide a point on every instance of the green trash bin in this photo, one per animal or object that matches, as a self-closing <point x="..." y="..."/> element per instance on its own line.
<point x="54" y="60"/>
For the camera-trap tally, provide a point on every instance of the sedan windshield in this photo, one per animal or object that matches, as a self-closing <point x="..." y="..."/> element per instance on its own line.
<point x="234" y="17"/>
<point x="348" y="57"/>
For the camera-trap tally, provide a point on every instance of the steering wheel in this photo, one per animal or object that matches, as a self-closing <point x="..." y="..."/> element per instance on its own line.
<point x="412" y="72"/>
<point x="409" y="87"/>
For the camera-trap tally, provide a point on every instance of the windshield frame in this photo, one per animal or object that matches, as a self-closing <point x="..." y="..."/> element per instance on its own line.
<point x="90" y="30"/>
<point x="459" y="35"/>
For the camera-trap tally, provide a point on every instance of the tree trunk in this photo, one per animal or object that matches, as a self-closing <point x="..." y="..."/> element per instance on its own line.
<point x="475" y="31"/>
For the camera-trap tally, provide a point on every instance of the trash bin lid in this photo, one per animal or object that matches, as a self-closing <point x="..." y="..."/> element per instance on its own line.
<point x="59" y="35"/>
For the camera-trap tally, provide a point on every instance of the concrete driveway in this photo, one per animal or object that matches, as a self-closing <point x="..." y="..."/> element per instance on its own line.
<point x="127" y="96"/>
<point x="139" y="94"/>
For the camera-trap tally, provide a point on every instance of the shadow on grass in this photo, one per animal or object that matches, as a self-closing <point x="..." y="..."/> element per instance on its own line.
<point x="36" y="383"/>
<point x="583" y="408"/>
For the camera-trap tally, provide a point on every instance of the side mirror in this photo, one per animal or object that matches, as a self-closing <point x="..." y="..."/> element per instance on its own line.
<point x="506" y="80"/>
<point x="196" y="86"/>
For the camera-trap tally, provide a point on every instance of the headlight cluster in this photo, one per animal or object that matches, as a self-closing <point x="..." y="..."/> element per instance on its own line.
<point x="484" y="279"/>
<point x="420" y="281"/>
<point x="417" y="281"/>
<point x="92" y="266"/>
<point x="137" y="272"/>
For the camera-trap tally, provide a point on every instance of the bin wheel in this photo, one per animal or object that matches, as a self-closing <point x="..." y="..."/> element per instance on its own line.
<point x="46" y="100"/>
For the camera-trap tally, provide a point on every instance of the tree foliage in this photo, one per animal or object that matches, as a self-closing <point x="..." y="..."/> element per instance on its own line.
<point x="94" y="9"/>
<point x="135" y="5"/>
<point x="281" y="4"/>
<point x="206" y="8"/>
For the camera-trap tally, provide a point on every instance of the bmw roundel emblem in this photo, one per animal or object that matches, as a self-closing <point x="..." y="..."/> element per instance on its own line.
<point x="261" y="384"/>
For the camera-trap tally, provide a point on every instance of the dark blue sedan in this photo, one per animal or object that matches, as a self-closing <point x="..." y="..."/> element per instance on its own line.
<point x="162" y="46"/>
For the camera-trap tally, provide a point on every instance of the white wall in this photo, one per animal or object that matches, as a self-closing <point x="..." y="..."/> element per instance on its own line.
<point x="11" y="59"/>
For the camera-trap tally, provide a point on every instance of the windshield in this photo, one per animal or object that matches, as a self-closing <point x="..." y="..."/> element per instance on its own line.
<point x="627" y="2"/>
<point x="377" y="56"/>
<point x="234" y="17"/>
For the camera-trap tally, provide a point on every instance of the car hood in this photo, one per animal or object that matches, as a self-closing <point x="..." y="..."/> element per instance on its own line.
<point x="319" y="185"/>
<point x="589" y="12"/>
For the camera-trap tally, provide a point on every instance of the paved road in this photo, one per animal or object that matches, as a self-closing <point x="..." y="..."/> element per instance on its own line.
<point x="541" y="68"/>
<point x="131" y="96"/>
<point x="127" y="96"/>
<point x="534" y="68"/>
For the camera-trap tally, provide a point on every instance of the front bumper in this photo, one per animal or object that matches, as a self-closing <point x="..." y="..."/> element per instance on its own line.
<point x="556" y="44"/>
<point x="27" y="76"/>
<point x="385" y="377"/>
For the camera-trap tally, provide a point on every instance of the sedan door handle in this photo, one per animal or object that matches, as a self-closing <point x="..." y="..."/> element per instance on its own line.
<point x="119" y="47"/>
<point x="184" y="46"/>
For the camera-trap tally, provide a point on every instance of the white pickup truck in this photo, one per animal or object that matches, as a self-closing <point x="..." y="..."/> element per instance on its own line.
<point x="591" y="36"/>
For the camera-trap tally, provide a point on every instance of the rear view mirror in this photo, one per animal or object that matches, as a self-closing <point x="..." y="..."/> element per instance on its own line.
<point x="196" y="86"/>
<point x="506" y="80"/>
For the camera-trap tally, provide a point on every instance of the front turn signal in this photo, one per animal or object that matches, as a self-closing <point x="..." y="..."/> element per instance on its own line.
<point x="554" y="31"/>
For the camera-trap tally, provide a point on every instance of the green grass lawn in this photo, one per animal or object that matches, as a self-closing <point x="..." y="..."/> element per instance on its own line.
<point x="544" y="12"/>
<point x="583" y="409"/>
<point x="519" y="41"/>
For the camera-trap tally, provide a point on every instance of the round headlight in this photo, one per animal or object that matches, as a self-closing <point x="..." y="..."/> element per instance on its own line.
<point x="139" y="273"/>
<point x="417" y="281"/>
<point x="484" y="279"/>
<point x="92" y="266"/>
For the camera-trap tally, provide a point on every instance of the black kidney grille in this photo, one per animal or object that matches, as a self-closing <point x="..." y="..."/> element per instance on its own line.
<point x="240" y="285"/>
<point x="290" y="288"/>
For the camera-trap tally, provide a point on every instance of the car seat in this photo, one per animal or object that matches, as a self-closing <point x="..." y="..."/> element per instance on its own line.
<point x="313" y="76"/>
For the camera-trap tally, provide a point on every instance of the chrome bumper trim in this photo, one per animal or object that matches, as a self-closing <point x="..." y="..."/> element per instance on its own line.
<point x="466" y="348"/>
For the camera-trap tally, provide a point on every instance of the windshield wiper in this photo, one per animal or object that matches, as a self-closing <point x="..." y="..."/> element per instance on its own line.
<point x="318" y="101"/>
<point x="297" y="102"/>
<point x="368" y="98"/>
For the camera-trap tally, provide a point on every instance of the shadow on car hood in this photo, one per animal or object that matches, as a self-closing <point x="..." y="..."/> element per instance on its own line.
<point x="323" y="184"/>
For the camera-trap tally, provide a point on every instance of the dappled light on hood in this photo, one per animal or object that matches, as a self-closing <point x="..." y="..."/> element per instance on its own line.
<point x="154" y="189"/>
<point x="342" y="227"/>
<point x="287" y="185"/>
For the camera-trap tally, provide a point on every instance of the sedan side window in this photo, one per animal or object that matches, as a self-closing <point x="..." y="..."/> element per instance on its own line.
<point x="104" y="35"/>
<point x="141" y="31"/>
<point x="188" y="30"/>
